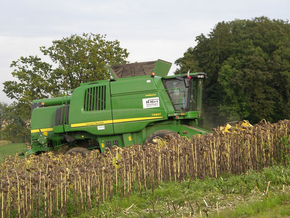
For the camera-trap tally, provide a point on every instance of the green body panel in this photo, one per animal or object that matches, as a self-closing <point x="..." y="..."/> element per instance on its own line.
<point x="128" y="101"/>
<point x="161" y="68"/>
<point x="97" y="122"/>
<point x="135" y="84"/>
<point x="120" y="112"/>
<point x="43" y="117"/>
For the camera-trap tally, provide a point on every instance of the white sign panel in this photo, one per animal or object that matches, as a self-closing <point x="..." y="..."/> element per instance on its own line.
<point x="101" y="127"/>
<point x="150" y="102"/>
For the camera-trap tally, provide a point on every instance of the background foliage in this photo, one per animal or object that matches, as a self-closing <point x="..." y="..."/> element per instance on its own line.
<point x="73" y="60"/>
<point x="247" y="62"/>
<point x="15" y="124"/>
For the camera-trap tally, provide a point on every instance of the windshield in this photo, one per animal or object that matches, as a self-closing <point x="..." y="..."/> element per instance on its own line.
<point x="183" y="98"/>
<point x="178" y="94"/>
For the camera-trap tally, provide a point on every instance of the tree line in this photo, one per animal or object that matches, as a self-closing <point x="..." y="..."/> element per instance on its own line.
<point x="247" y="63"/>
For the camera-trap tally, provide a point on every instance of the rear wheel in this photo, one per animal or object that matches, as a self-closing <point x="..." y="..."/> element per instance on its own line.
<point x="160" y="134"/>
<point x="78" y="150"/>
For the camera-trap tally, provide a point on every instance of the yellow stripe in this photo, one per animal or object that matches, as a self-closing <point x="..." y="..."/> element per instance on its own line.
<point x="42" y="130"/>
<point x="97" y="123"/>
<point x="135" y="119"/>
<point x="113" y="121"/>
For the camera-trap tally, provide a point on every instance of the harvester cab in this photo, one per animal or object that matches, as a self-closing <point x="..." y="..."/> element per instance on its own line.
<point x="138" y="103"/>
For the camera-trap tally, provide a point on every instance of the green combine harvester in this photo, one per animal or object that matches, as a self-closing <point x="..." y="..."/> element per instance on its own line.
<point x="138" y="103"/>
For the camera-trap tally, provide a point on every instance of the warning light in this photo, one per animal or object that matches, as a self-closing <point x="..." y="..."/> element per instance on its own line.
<point x="152" y="74"/>
<point x="42" y="103"/>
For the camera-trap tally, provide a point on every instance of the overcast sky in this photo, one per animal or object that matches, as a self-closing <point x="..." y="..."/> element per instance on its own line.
<point x="148" y="29"/>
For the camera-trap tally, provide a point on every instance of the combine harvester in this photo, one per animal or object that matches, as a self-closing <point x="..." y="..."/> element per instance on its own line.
<point x="138" y="103"/>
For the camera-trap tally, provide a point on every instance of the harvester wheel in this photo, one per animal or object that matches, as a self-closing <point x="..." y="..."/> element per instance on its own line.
<point x="78" y="150"/>
<point x="160" y="134"/>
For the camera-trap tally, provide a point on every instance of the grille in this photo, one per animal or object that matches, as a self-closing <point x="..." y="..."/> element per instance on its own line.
<point x="95" y="99"/>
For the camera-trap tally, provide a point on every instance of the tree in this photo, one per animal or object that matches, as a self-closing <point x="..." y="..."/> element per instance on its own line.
<point x="280" y="66"/>
<point x="77" y="59"/>
<point x="15" y="125"/>
<point x="34" y="80"/>
<point x="247" y="89"/>
<point x="247" y="62"/>
<point x="3" y="116"/>
<point x="83" y="59"/>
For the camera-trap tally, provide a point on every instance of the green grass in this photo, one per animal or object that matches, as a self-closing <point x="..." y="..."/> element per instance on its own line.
<point x="273" y="206"/>
<point x="4" y="142"/>
<point x="247" y="195"/>
<point x="11" y="149"/>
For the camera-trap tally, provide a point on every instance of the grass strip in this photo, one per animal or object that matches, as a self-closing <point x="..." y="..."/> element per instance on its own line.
<point x="246" y="195"/>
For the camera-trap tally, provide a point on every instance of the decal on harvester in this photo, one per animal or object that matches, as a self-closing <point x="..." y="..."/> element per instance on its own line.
<point x="96" y="123"/>
<point x="150" y="102"/>
<point x="101" y="127"/>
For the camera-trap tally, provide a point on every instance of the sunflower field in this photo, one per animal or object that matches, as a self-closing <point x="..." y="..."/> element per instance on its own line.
<point x="52" y="185"/>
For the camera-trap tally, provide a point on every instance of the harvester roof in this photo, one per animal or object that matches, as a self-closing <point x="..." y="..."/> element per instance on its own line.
<point x="159" y="67"/>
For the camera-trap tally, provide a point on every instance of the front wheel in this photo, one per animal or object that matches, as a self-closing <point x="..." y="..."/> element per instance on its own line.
<point x="160" y="134"/>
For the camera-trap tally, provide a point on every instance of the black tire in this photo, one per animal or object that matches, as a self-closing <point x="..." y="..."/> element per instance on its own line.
<point x="160" y="134"/>
<point x="78" y="150"/>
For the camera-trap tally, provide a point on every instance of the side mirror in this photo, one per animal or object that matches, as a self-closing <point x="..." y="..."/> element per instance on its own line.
<point x="186" y="83"/>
